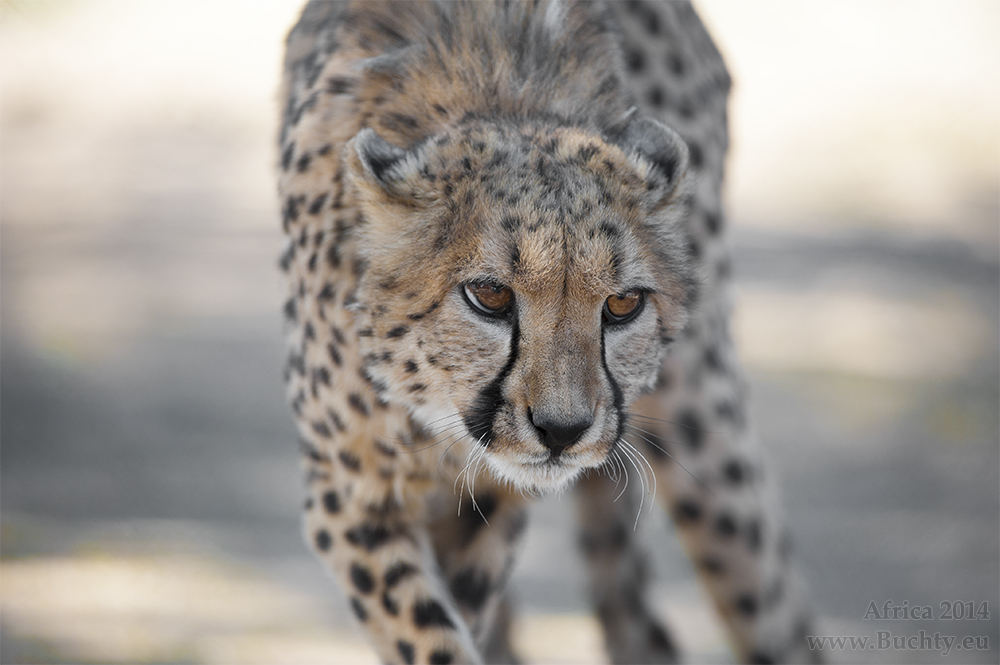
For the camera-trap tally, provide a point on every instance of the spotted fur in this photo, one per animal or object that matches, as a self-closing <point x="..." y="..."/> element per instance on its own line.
<point x="562" y="153"/>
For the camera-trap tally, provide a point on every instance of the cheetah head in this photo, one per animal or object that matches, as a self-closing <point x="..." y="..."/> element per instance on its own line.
<point x="522" y="284"/>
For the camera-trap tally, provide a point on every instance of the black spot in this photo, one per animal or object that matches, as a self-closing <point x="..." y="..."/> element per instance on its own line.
<point x="405" y="650"/>
<point x="728" y="411"/>
<point x="290" y="310"/>
<point x="297" y="363"/>
<point x="510" y="223"/>
<point x="713" y="360"/>
<point x="675" y="63"/>
<point x="747" y="605"/>
<point x="327" y="292"/>
<point x="398" y="572"/>
<point x="659" y="640"/>
<point x="441" y="657"/>
<point x="303" y="164"/>
<point x="431" y="614"/>
<point x="687" y="512"/>
<point x="725" y="525"/>
<point x="471" y="588"/>
<point x="369" y="536"/>
<point x="333" y="256"/>
<point x="712" y="566"/>
<point x="635" y="60"/>
<point x="312" y="452"/>
<point x="385" y="448"/>
<point x="290" y="212"/>
<point x="477" y="518"/>
<point x="695" y="156"/>
<point x="358" y="404"/>
<point x="689" y="429"/>
<point x="317" y="204"/>
<point x="398" y="331"/>
<point x="323" y="540"/>
<point x="287" y="156"/>
<point x="655" y="96"/>
<point x="734" y="472"/>
<point x="693" y="249"/>
<point x="390" y="605"/>
<point x="713" y="223"/>
<point x="361" y="577"/>
<point x="586" y="152"/>
<point x="417" y="388"/>
<point x="753" y="535"/>
<point x="322" y="429"/>
<point x="285" y="262"/>
<point x="350" y="461"/>
<point x="440" y="109"/>
<point x="652" y="21"/>
<point x="338" y="85"/>
<point x="321" y="375"/>
<point x="335" y="419"/>
<point x="606" y="541"/>
<point x="325" y="150"/>
<point x="331" y="502"/>
<point x="410" y="366"/>
<point x="359" y="609"/>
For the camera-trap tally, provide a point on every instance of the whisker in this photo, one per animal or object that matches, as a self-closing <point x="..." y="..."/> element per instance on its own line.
<point x="639" y="431"/>
<point x="458" y="436"/>
<point x="652" y="473"/>
<point x="630" y="414"/>
<point x="403" y="438"/>
<point x="464" y="471"/>
<point x="621" y="465"/>
<point x="642" y="481"/>
<point x="472" y="489"/>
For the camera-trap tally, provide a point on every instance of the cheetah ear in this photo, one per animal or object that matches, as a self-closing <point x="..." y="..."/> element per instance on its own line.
<point x="377" y="168"/>
<point x="661" y="147"/>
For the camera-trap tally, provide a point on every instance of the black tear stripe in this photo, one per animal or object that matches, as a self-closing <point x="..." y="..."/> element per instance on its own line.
<point x="617" y="392"/>
<point x="479" y="418"/>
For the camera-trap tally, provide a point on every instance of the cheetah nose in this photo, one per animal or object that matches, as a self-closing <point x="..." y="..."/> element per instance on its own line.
<point x="558" y="434"/>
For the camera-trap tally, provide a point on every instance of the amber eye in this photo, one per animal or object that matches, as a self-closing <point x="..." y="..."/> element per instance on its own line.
<point x="623" y="307"/>
<point x="489" y="298"/>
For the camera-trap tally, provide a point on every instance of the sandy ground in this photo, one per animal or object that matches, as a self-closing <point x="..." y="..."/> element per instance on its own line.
<point x="149" y="478"/>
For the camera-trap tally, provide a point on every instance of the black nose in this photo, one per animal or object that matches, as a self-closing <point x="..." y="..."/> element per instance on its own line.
<point x="557" y="434"/>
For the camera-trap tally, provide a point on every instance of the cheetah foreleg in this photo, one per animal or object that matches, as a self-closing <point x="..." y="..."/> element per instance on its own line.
<point x="387" y="568"/>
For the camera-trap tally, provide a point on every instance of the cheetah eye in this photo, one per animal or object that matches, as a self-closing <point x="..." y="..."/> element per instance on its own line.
<point x="488" y="298"/>
<point x="623" y="307"/>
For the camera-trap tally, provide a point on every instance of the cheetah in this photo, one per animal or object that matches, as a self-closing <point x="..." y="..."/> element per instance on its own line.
<point x="507" y="276"/>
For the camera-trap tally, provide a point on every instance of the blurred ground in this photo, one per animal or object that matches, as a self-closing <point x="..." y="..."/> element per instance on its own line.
<point x="149" y="480"/>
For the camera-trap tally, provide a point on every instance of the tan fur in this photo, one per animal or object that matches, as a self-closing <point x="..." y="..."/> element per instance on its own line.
<point x="426" y="146"/>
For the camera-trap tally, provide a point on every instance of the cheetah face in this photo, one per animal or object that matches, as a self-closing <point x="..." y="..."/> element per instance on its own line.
<point x="522" y="285"/>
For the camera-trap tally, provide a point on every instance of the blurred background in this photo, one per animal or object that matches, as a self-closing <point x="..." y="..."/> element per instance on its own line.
<point x="150" y="487"/>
